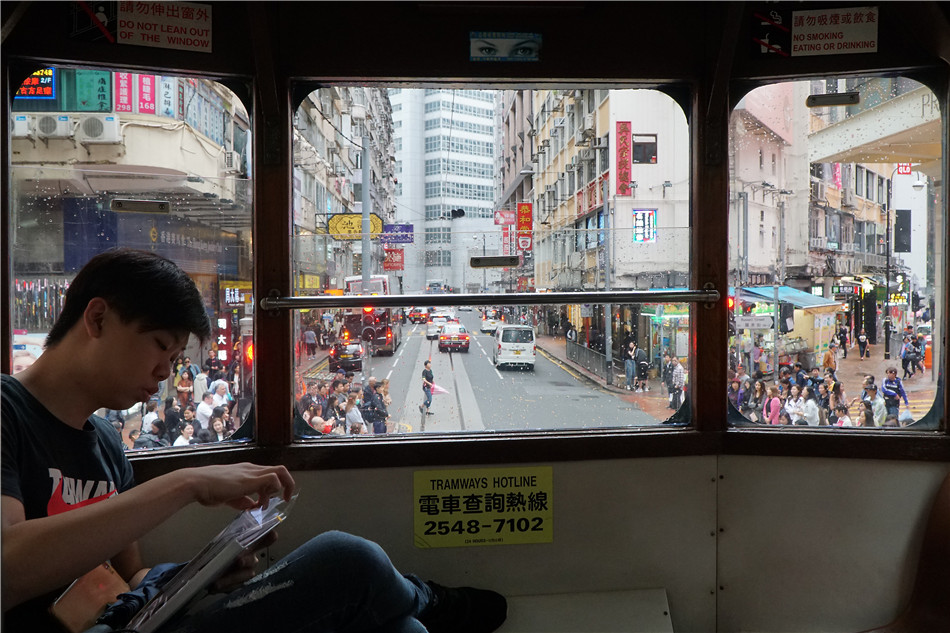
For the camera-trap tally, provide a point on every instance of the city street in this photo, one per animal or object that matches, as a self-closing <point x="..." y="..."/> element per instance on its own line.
<point x="557" y="394"/>
<point x="482" y="397"/>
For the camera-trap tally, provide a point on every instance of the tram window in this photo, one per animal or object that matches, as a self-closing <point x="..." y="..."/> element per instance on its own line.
<point x="105" y="158"/>
<point x="502" y="157"/>
<point x="855" y="277"/>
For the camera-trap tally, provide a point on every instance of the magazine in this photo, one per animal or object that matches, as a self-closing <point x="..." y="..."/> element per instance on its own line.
<point x="216" y="557"/>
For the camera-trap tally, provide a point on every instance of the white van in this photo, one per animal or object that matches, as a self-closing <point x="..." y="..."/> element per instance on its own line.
<point x="514" y="345"/>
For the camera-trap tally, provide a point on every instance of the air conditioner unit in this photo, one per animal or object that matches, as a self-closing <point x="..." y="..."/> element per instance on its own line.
<point x="99" y="128"/>
<point x="578" y="94"/>
<point x="589" y="121"/>
<point x="22" y="126"/>
<point x="847" y="197"/>
<point x="571" y="167"/>
<point x="53" y="126"/>
<point x="587" y="155"/>
<point x="571" y="107"/>
<point x="580" y="139"/>
<point x="549" y="188"/>
<point x="559" y="121"/>
<point x="232" y="162"/>
<point x="600" y="143"/>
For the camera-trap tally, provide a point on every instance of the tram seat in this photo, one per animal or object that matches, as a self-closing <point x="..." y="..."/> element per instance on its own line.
<point x="632" y="611"/>
<point x="929" y="606"/>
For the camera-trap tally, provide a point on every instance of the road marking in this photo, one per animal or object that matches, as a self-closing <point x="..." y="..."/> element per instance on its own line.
<point x="390" y="373"/>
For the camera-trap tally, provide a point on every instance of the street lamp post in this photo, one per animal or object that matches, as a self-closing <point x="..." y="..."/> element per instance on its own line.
<point x="887" y="276"/>
<point x="917" y="186"/>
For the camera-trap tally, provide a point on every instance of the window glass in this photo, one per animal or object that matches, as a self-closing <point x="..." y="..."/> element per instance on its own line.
<point x="106" y="158"/>
<point x="841" y="306"/>
<point x="522" y="173"/>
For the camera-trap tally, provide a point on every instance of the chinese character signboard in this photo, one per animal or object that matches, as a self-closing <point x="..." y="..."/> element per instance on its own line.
<point x="146" y="94"/>
<point x="39" y="85"/>
<point x="397" y="234"/>
<point x="624" y="158"/>
<point x="644" y="225"/>
<point x="505" y="240"/>
<point x="504" y="217"/>
<point x="349" y="226"/>
<point x="483" y="506"/>
<point x="395" y="259"/>
<point x="524" y="226"/>
<point x="123" y="92"/>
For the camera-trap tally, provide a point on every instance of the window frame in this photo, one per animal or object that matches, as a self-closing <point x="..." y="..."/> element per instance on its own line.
<point x="269" y="100"/>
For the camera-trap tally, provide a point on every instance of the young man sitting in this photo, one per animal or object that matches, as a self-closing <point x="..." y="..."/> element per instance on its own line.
<point x="69" y="501"/>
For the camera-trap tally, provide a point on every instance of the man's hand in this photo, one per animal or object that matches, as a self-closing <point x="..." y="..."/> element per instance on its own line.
<point x="244" y="568"/>
<point x="237" y="484"/>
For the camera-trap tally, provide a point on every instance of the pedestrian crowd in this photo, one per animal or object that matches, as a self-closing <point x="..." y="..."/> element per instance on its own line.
<point x="343" y="407"/>
<point x="817" y="398"/>
<point x="185" y="419"/>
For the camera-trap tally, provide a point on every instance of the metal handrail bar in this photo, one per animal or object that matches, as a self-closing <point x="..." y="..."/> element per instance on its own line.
<point x="276" y="302"/>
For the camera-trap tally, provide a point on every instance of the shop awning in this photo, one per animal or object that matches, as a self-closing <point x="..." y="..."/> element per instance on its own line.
<point x="786" y="294"/>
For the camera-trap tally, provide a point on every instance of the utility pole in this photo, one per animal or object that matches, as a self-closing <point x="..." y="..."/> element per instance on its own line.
<point x="366" y="226"/>
<point x="608" y="308"/>
<point x="367" y="243"/>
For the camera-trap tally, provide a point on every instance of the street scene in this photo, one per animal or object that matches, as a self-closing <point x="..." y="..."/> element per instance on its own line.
<point x="831" y="246"/>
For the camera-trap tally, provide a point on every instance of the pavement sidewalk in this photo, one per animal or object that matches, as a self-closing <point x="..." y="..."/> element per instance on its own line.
<point x="654" y="402"/>
<point x="851" y="371"/>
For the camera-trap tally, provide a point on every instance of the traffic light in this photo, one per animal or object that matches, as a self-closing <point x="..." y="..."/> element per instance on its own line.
<point x="915" y="301"/>
<point x="458" y="213"/>
<point x="731" y="303"/>
<point x="902" y="230"/>
<point x="369" y="332"/>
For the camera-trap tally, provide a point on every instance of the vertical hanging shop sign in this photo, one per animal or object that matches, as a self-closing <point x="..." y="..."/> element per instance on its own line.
<point x="146" y="96"/>
<point x="525" y="224"/>
<point x="624" y="158"/>
<point x="483" y="506"/>
<point x="123" y="92"/>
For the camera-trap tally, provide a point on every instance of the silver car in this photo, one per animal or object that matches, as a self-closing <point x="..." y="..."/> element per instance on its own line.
<point x="434" y="325"/>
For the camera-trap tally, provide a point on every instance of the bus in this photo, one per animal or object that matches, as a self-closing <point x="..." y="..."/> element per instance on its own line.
<point x="726" y="146"/>
<point x="378" y="285"/>
<point x="386" y="322"/>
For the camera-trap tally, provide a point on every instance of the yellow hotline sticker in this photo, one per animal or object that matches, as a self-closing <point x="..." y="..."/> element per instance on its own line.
<point x="483" y="506"/>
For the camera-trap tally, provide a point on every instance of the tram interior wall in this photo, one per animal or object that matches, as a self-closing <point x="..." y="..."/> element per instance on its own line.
<point x="739" y="543"/>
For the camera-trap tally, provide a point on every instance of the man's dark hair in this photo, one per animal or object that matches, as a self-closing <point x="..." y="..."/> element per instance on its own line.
<point x="140" y="286"/>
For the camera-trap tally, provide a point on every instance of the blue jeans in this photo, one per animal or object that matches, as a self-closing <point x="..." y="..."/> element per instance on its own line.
<point x="334" y="583"/>
<point x="630" y="368"/>
<point x="428" y="400"/>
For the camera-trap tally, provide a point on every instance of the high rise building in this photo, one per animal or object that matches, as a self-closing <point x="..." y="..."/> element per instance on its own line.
<point x="445" y="147"/>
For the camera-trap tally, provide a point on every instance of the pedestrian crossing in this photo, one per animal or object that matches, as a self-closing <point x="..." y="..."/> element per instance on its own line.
<point x="920" y="405"/>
